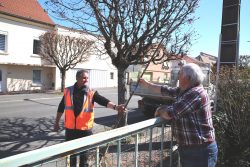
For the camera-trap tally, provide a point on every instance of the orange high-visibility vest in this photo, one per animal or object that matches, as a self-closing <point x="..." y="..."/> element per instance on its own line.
<point x="85" y="119"/>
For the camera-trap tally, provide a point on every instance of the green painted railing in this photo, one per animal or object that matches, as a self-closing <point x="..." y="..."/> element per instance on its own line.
<point x="147" y="133"/>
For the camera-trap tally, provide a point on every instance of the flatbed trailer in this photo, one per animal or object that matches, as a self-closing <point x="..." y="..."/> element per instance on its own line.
<point x="151" y="100"/>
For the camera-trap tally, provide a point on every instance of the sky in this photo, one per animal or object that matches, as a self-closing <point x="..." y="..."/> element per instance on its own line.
<point x="208" y="27"/>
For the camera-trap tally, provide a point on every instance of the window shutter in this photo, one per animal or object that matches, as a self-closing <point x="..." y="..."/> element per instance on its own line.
<point x="2" y="42"/>
<point x="36" y="46"/>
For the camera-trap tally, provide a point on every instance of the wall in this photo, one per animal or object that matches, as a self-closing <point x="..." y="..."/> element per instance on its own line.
<point x="19" y="78"/>
<point x="158" y="74"/>
<point x="20" y="42"/>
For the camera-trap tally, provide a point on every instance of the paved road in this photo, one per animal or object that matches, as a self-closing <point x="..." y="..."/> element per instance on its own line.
<point x="26" y="120"/>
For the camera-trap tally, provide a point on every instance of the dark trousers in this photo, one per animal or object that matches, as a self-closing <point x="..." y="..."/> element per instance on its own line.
<point x="75" y="134"/>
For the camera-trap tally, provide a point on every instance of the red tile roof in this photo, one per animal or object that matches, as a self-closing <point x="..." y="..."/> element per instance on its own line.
<point x="25" y="9"/>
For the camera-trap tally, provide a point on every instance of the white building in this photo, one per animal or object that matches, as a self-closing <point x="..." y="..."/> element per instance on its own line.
<point x="21" y="69"/>
<point x="101" y="71"/>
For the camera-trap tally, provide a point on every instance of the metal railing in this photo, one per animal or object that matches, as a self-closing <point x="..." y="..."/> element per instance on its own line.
<point x="147" y="143"/>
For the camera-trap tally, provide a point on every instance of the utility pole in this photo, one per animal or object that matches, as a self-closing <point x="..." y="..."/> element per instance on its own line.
<point x="229" y="38"/>
<point x="230" y="33"/>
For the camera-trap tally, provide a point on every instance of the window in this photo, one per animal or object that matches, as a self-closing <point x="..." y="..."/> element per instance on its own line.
<point x="36" y="46"/>
<point x="148" y="76"/>
<point x="111" y="75"/>
<point x="37" y="76"/>
<point x="3" y="42"/>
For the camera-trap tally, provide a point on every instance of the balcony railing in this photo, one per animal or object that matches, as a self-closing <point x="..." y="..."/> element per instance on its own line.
<point x="147" y="143"/>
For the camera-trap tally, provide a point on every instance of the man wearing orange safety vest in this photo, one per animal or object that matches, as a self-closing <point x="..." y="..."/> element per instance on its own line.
<point x="78" y="105"/>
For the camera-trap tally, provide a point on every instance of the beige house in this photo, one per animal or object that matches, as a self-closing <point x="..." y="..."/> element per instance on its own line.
<point x="207" y="58"/>
<point x="21" y="67"/>
<point x="167" y="72"/>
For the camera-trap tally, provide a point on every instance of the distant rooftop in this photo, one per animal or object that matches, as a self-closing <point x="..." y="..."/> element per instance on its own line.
<point x="193" y="60"/>
<point x="207" y="58"/>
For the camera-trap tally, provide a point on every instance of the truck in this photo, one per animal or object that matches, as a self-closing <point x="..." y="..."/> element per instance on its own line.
<point x="150" y="100"/>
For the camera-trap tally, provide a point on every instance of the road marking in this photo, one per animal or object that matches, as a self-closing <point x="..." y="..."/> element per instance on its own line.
<point x="10" y="101"/>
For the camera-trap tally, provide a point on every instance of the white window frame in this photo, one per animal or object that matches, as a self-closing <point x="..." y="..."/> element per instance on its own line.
<point x="5" y="42"/>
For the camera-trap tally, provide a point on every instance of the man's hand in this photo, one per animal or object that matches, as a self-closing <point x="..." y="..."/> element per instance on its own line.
<point x="121" y="108"/>
<point x="56" y="127"/>
<point x="153" y="88"/>
<point x="162" y="112"/>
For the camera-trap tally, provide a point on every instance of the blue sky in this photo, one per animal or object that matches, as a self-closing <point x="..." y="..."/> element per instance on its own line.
<point x="208" y="27"/>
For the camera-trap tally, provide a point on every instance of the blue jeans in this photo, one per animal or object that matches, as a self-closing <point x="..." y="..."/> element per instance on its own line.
<point x="199" y="156"/>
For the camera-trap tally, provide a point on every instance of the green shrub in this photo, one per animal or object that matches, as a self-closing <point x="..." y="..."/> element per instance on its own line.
<point x="232" y="117"/>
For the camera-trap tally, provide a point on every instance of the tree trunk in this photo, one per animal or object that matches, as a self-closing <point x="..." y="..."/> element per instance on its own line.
<point x="63" y="73"/>
<point x="122" y="98"/>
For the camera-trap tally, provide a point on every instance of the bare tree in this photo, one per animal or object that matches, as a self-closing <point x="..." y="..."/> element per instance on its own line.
<point x="244" y="61"/>
<point x="129" y="28"/>
<point x="64" y="51"/>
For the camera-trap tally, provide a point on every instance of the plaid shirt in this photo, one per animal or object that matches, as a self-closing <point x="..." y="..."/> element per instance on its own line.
<point x="191" y="114"/>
